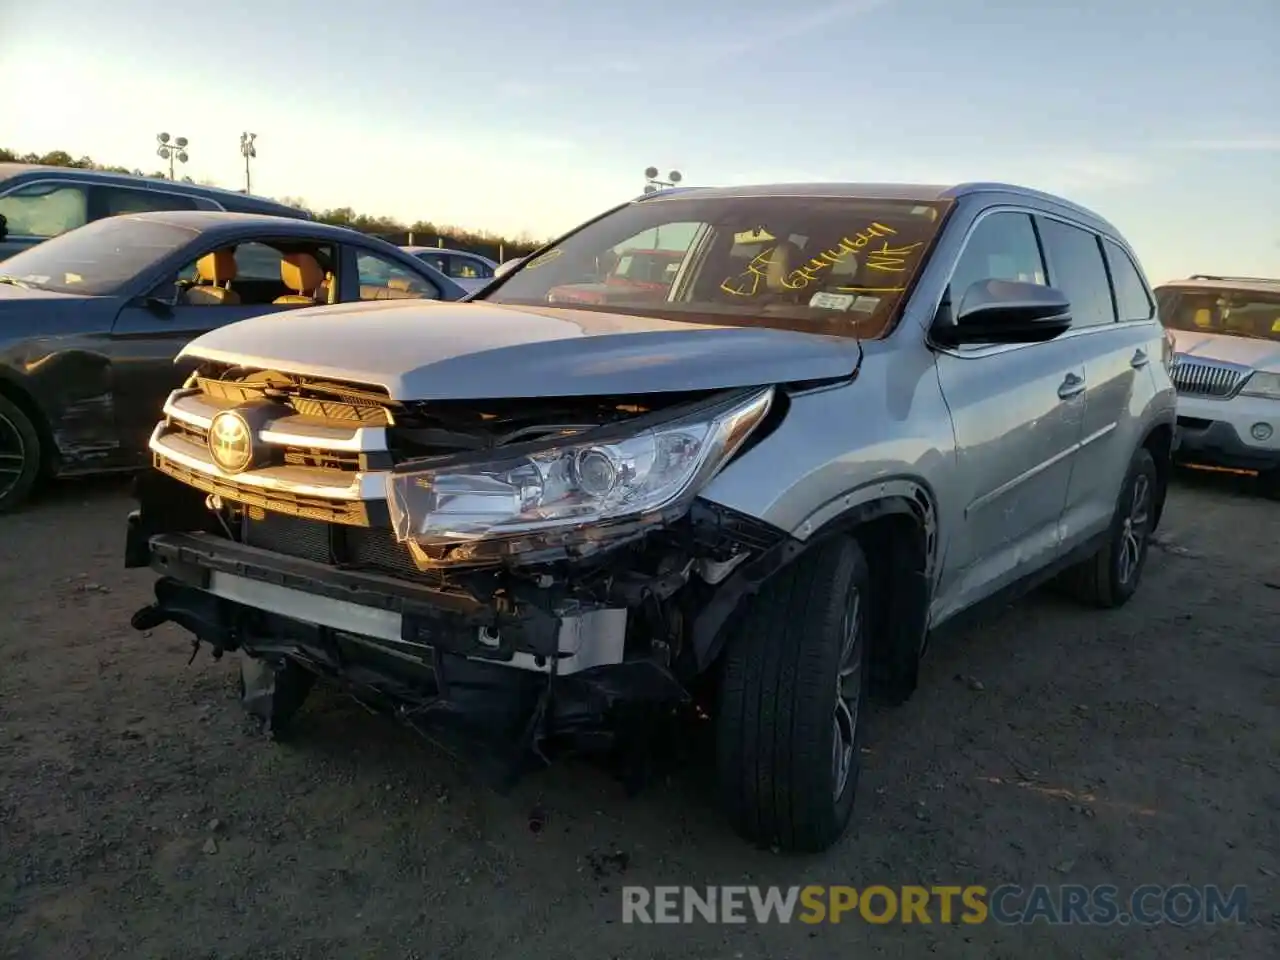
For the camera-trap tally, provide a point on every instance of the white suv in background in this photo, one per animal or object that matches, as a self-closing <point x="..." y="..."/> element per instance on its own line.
<point x="1226" y="367"/>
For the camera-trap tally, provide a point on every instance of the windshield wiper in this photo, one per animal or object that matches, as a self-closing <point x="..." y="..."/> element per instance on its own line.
<point x="14" y="281"/>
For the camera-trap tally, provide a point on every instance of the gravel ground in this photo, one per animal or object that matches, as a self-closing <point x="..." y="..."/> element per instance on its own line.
<point x="142" y="816"/>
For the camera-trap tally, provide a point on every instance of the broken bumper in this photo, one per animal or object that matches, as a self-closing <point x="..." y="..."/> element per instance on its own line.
<point x="502" y="687"/>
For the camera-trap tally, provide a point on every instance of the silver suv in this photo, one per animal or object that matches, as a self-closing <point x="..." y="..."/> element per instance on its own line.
<point x="852" y="414"/>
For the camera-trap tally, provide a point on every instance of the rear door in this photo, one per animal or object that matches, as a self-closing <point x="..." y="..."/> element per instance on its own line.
<point x="1118" y="337"/>
<point x="1017" y="412"/>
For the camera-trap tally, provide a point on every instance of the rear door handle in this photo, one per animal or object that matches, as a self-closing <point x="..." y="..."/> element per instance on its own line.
<point x="1139" y="359"/>
<point x="1071" y="386"/>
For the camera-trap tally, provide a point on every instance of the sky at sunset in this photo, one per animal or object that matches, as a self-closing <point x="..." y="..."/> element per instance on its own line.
<point x="1165" y="118"/>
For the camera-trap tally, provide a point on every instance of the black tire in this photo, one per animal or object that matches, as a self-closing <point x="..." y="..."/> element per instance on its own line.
<point x="776" y="712"/>
<point x="1269" y="484"/>
<point x="1110" y="577"/>
<point x="20" y="456"/>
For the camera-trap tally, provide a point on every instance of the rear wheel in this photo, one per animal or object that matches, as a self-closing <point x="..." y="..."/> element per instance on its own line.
<point x="1110" y="577"/>
<point x="19" y="456"/>
<point x="790" y="716"/>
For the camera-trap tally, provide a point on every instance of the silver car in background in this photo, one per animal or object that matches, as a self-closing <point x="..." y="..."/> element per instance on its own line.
<point x="852" y="416"/>
<point x="471" y="271"/>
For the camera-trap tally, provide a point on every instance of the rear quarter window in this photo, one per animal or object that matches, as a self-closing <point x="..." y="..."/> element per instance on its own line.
<point x="1133" y="299"/>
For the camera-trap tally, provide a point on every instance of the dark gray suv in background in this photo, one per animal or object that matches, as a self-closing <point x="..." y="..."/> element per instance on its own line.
<point x="38" y="202"/>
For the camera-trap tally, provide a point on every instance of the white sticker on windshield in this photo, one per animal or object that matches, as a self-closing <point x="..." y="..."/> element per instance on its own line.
<point x="831" y="301"/>
<point x="865" y="305"/>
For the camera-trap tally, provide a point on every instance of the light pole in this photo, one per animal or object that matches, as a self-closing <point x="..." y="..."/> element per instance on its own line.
<point x="652" y="184"/>
<point x="172" y="150"/>
<point x="249" y="152"/>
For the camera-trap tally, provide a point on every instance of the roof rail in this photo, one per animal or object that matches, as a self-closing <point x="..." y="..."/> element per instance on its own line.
<point x="1211" y="276"/>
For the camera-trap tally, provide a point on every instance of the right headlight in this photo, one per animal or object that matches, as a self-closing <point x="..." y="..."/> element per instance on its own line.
<point x="580" y="493"/>
<point x="1262" y="385"/>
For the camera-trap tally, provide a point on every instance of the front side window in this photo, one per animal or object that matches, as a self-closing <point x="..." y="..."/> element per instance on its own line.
<point x="1133" y="302"/>
<point x="1002" y="246"/>
<point x="260" y="273"/>
<point x="1075" y="264"/>
<point x="1236" y="313"/>
<point x="829" y="265"/>
<point x="101" y="258"/>
<point x="119" y="200"/>
<point x="381" y="279"/>
<point x="45" y="209"/>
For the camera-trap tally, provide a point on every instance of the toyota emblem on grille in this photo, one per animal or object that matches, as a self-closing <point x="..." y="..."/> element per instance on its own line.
<point x="230" y="442"/>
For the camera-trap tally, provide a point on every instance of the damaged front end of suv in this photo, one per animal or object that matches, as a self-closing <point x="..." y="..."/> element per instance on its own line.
<point x="534" y="523"/>
<point x="510" y="578"/>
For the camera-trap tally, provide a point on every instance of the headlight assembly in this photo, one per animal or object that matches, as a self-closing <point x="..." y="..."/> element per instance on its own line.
<point x="577" y="494"/>
<point x="1262" y="385"/>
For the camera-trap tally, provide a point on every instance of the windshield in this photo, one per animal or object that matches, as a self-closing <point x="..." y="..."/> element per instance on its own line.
<point x="98" y="258"/>
<point x="837" y="266"/>
<point x="1237" y="313"/>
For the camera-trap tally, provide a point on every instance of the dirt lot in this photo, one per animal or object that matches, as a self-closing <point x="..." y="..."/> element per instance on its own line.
<point x="142" y="816"/>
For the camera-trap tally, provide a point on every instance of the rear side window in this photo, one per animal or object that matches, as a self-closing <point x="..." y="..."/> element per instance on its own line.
<point x="114" y="201"/>
<point x="1077" y="269"/>
<point x="1133" y="301"/>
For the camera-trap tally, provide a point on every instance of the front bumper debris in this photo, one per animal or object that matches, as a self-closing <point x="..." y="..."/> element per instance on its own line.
<point x="504" y="687"/>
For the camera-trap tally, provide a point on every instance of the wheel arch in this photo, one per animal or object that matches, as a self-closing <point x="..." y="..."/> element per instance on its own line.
<point x="895" y="523"/>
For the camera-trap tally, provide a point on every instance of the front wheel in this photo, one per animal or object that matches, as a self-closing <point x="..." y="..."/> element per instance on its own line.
<point x="1110" y="577"/>
<point x="19" y="456"/>
<point x="790" y="715"/>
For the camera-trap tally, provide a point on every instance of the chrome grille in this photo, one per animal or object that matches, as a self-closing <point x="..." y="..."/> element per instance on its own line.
<point x="1205" y="378"/>
<point x="327" y="468"/>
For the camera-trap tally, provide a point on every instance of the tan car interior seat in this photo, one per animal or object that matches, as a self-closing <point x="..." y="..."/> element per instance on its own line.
<point x="214" y="273"/>
<point x="402" y="288"/>
<point x="302" y="274"/>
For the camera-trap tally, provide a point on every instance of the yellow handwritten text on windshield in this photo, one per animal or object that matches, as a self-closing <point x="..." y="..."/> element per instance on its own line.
<point x="885" y="258"/>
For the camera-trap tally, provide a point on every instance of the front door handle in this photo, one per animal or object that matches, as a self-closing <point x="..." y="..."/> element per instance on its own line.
<point x="1139" y="359"/>
<point x="1071" y="386"/>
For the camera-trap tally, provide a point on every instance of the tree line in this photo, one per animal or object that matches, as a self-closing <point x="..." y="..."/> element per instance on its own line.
<point x="421" y="232"/>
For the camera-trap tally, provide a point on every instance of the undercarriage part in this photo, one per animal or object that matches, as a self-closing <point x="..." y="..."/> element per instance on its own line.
<point x="272" y="690"/>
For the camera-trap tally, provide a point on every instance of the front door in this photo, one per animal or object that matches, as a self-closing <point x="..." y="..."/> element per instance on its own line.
<point x="1017" y="411"/>
<point x="148" y="338"/>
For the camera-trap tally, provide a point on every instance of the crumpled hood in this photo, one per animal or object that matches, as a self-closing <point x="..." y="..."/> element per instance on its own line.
<point x="1245" y="351"/>
<point x="429" y="350"/>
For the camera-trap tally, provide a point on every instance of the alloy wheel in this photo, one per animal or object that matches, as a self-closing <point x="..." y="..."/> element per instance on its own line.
<point x="848" y="695"/>
<point x="13" y="455"/>
<point x="1133" y="534"/>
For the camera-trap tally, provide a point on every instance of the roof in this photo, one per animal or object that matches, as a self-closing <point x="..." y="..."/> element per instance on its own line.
<point x="203" y="220"/>
<point x="462" y="253"/>
<point x="1206" y="282"/>
<point x="10" y="171"/>
<point x="921" y="192"/>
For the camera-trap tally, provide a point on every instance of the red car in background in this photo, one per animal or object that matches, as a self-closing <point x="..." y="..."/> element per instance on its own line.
<point x="633" y="272"/>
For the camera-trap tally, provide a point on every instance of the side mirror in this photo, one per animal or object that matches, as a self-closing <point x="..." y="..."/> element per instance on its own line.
<point x="162" y="299"/>
<point x="506" y="266"/>
<point x="1004" y="311"/>
<point x="4" y="226"/>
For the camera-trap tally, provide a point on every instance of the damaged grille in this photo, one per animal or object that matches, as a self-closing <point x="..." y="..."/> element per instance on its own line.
<point x="364" y="548"/>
